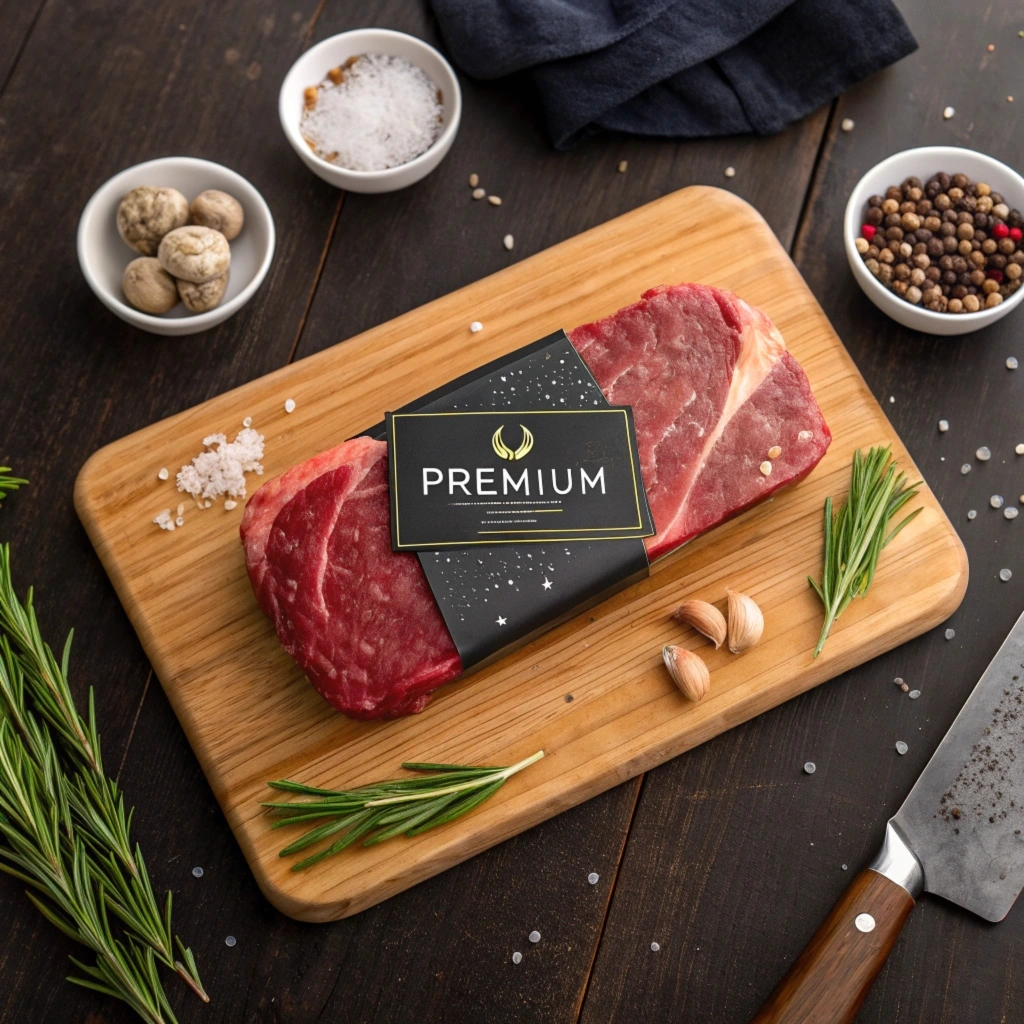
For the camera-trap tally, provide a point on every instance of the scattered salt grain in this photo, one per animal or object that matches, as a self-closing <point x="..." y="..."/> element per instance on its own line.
<point x="844" y="867"/>
<point x="381" y="112"/>
<point x="164" y="473"/>
<point x="230" y="941"/>
<point x="222" y="468"/>
<point x="914" y="694"/>
<point x="948" y="113"/>
<point x="508" y="241"/>
<point x="474" y="180"/>
<point x="965" y="468"/>
<point x="494" y="200"/>
<point x="1019" y="449"/>
<point x="943" y="426"/>
<point x="163" y="520"/>
<point x="535" y="936"/>
<point x="247" y="422"/>
<point x="847" y="124"/>
<point x="593" y="878"/>
<point x="179" y="521"/>
<point x="1011" y="363"/>
<point x="1005" y="575"/>
<point x="517" y="957"/>
<point x="996" y="501"/>
<point x="476" y="326"/>
<point x="655" y="947"/>
<point x="904" y="687"/>
<point x="1010" y="512"/>
<point x="774" y="452"/>
<point x="892" y="399"/>
<point x="623" y="164"/>
<point x="229" y="504"/>
<point x="765" y="468"/>
<point x="479" y="193"/>
<point x="972" y="513"/>
<point x="810" y="767"/>
<point x="197" y="872"/>
<point x="950" y="633"/>
<point x="901" y="747"/>
<point x="207" y="503"/>
<point x="289" y="405"/>
<point x="983" y="454"/>
<point x="730" y="172"/>
<point x="898" y="681"/>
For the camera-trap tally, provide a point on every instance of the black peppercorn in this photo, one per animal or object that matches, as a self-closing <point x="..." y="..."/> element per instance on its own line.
<point x="894" y="233"/>
<point x="924" y="207"/>
<point x="894" y="192"/>
<point x="959" y="264"/>
<point x="933" y="274"/>
<point x="949" y="242"/>
<point x="949" y="215"/>
<point x="923" y="235"/>
<point x="949" y="277"/>
<point x="935" y="248"/>
<point x="958" y="292"/>
<point x="964" y="279"/>
<point x="893" y="220"/>
<point x="981" y="220"/>
<point x="874" y="215"/>
<point x="959" y="180"/>
<point x="943" y="179"/>
<point x="910" y="237"/>
<point x="998" y="261"/>
<point x="942" y="201"/>
<point x="997" y="197"/>
<point x="875" y="201"/>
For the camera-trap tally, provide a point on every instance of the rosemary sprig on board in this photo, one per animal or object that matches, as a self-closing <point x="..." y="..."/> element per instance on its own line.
<point x="8" y="482"/>
<point x="857" y="533"/>
<point x="384" y="810"/>
<point x="64" y="829"/>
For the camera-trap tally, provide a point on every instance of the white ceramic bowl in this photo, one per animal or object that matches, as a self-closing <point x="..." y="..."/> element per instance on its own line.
<point x="311" y="69"/>
<point x="103" y="255"/>
<point x="925" y="162"/>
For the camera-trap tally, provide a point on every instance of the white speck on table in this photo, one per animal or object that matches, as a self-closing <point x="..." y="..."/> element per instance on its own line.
<point x="1010" y="512"/>
<point x="1011" y="363"/>
<point x="965" y="468"/>
<point x="230" y="941"/>
<point x="943" y="426"/>
<point x="517" y="957"/>
<point x="950" y="633"/>
<point x="289" y="405"/>
<point x="730" y="172"/>
<point x="508" y="241"/>
<point x="972" y="513"/>
<point x="996" y="501"/>
<point x="1005" y="575"/>
<point x="810" y="767"/>
<point x="983" y="454"/>
<point x="164" y="473"/>
<point x="535" y="936"/>
<point x="476" y="326"/>
<point x="948" y="113"/>
<point x="901" y="747"/>
<point x="847" y="124"/>
<point x="655" y="947"/>
<point x="593" y="878"/>
<point x="198" y="872"/>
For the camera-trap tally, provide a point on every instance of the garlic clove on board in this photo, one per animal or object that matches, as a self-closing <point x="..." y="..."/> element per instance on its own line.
<point x="746" y="623"/>
<point x="688" y="671"/>
<point x="705" y="618"/>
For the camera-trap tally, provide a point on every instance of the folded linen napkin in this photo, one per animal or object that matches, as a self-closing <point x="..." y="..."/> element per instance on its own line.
<point x="685" y="68"/>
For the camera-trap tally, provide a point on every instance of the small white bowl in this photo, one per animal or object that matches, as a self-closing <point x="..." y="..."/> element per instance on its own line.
<point x="103" y="254"/>
<point x="311" y="69"/>
<point x="924" y="163"/>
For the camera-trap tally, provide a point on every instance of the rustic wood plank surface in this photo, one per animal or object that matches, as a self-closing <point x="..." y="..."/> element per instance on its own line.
<point x="724" y="843"/>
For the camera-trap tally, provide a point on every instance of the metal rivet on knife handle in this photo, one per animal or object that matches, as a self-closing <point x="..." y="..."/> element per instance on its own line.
<point x="864" y="923"/>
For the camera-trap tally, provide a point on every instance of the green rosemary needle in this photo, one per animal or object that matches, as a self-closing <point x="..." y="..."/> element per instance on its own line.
<point x="857" y="533"/>
<point x="64" y="829"/>
<point x="383" y="810"/>
<point x="8" y="482"/>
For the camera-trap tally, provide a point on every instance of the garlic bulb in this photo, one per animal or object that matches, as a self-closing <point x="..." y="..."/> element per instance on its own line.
<point x="705" y="618"/>
<point x="688" y="671"/>
<point x="746" y="623"/>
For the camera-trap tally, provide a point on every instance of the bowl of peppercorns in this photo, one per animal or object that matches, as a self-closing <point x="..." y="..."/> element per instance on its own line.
<point x="935" y="238"/>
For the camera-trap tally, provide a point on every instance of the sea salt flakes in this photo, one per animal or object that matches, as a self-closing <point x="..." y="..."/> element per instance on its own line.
<point x="655" y="947"/>
<point x="983" y="454"/>
<point x="230" y="941"/>
<point x="965" y="468"/>
<point x="534" y="936"/>
<point x="914" y="694"/>
<point x="730" y="172"/>
<point x="972" y="513"/>
<point x="517" y="957"/>
<point x="383" y="112"/>
<point x="996" y="501"/>
<point x="247" y="422"/>
<point x="289" y="405"/>
<point x="476" y="326"/>
<point x="901" y="747"/>
<point x="810" y="767"/>
<point x="197" y="872"/>
<point x="508" y="241"/>
<point x="847" y="124"/>
<point x="943" y="426"/>
<point x="593" y="878"/>
<point x="1019" y="449"/>
<point x="948" y="113"/>
<point x="222" y="468"/>
<point x="229" y="504"/>
<point x="1011" y="363"/>
<point x="164" y="473"/>
<point x="163" y="520"/>
<point x="950" y="633"/>
<point x="1005" y="575"/>
<point x="479" y="193"/>
<point x="1009" y="512"/>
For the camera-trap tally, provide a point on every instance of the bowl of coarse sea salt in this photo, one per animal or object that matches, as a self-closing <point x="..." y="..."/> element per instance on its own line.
<point x="371" y="110"/>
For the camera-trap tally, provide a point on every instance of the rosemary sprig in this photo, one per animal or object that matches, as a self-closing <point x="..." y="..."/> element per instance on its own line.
<point x="383" y="810"/>
<point x="8" y="482"/>
<point x="53" y="786"/>
<point x="857" y="533"/>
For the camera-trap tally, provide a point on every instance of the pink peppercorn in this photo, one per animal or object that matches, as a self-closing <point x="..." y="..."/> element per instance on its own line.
<point x="868" y="231"/>
<point x="1016" y="234"/>
<point x="1000" y="231"/>
<point x="996" y="275"/>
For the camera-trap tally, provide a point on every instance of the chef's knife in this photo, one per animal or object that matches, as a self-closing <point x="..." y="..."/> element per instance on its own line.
<point x="960" y="835"/>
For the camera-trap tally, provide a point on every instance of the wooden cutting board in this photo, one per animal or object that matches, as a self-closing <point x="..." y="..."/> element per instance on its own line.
<point x="251" y="716"/>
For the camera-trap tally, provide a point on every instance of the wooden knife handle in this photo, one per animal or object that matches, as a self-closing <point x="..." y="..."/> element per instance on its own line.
<point x="834" y="974"/>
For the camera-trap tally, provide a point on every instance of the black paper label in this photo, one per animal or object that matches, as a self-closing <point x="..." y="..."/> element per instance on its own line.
<point x="462" y="478"/>
<point x="496" y="596"/>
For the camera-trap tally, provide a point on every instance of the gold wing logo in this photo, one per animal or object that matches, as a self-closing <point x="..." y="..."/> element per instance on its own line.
<point x="503" y="451"/>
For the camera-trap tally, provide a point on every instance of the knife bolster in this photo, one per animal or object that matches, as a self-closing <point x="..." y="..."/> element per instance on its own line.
<point x="897" y="862"/>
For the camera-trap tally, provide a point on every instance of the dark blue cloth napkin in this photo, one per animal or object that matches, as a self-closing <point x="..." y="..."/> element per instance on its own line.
<point x="686" y="68"/>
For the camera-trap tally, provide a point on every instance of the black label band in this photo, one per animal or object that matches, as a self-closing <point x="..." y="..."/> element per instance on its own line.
<point x="496" y="594"/>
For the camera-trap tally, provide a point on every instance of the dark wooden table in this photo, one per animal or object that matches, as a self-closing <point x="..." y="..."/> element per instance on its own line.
<point x="728" y="856"/>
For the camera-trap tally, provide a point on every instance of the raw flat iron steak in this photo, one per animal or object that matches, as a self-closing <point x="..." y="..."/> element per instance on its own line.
<point x="713" y="390"/>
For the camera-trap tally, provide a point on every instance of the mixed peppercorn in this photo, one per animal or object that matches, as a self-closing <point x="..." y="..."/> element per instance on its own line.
<point x="949" y="245"/>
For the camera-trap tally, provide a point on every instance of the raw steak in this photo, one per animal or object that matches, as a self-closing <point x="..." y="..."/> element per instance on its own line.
<point x="712" y="389"/>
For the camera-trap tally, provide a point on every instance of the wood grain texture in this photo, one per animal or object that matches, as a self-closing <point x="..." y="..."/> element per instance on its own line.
<point x="735" y="855"/>
<point x="250" y="716"/>
<point x="833" y="975"/>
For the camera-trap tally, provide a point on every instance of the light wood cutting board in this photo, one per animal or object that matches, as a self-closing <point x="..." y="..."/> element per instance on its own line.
<point x="251" y="716"/>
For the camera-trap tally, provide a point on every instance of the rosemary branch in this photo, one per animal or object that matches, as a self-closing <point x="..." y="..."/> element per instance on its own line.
<point x="856" y="535"/>
<point x="8" y="482"/>
<point x="55" y="798"/>
<point x="383" y="810"/>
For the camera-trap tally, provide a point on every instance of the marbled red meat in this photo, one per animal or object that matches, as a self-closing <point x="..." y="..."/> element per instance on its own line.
<point x="712" y="389"/>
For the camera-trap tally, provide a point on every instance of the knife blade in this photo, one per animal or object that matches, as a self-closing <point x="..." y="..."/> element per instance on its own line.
<point x="959" y="835"/>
